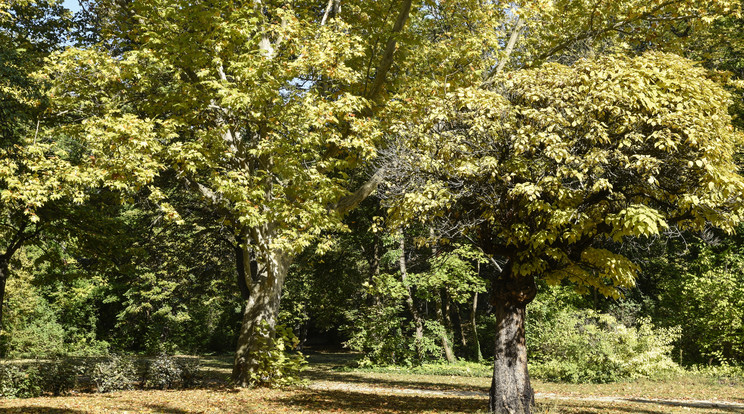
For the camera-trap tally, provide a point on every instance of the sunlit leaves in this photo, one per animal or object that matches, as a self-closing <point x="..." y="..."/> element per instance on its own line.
<point x="559" y="160"/>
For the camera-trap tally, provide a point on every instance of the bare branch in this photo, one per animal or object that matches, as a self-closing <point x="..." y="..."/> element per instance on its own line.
<point x="327" y="12"/>
<point x="516" y="31"/>
<point x="351" y="201"/>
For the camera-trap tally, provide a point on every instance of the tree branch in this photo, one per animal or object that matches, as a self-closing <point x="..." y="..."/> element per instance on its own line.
<point x="516" y="31"/>
<point x="351" y="201"/>
<point x="387" y="57"/>
<point x="327" y="12"/>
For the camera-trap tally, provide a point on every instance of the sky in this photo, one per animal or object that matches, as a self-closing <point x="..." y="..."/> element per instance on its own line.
<point x="73" y="5"/>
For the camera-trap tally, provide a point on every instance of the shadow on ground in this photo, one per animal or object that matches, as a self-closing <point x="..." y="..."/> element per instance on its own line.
<point x="39" y="410"/>
<point x="329" y="367"/>
<point x="356" y="402"/>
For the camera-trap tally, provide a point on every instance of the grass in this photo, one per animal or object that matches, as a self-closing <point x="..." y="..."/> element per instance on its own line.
<point x="328" y="371"/>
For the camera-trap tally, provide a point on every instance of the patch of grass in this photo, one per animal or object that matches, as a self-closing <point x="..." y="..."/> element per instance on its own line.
<point x="460" y="369"/>
<point x="685" y="386"/>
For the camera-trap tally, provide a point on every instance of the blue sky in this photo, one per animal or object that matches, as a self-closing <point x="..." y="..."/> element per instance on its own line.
<point x="73" y="5"/>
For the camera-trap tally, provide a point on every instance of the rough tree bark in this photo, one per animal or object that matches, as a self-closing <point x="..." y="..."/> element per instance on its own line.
<point x="511" y="392"/>
<point x="264" y="282"/>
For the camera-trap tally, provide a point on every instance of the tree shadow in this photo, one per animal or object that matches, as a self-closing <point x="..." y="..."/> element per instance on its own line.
<point x="626" y="405"/>
<point x="357" y="402"/>
<point x="690" y="404"/>
<point x="39" y="410"/>
<point x="160" y="408"/>
<point x="349" y="377"/>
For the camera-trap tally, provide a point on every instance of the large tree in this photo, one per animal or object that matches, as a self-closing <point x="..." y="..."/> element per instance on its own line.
<point x="29" y="31"/>
<point x="550" y="169"/>
<point x="259" y="108"/>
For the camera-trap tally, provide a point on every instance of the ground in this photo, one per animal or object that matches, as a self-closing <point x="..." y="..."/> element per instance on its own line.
<point x="332" y="390"/>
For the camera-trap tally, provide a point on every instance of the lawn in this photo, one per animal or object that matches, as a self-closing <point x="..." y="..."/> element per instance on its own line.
<point x="331" y="389"/>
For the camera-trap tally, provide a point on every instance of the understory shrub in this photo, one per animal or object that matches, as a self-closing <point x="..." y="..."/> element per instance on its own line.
<point x="459" y="368"/>
<point x="587" y="346"/>
<point x="19" y="381"/>
<point x="277" y="365"/>
<point x="378" y="332"/>
<point x="190" y="376"/>
<point x="163" y="373"/>
<point x="720" y="374"/>
<point x="115" y="373"/>
<point x="166" y="372"/>
<point x="59" y="376"/>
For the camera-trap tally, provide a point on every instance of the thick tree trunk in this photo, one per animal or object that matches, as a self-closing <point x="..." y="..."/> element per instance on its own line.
<point x="511" y="392"/>
<point x="265" y="283"/>
<point x="417" y="321"/>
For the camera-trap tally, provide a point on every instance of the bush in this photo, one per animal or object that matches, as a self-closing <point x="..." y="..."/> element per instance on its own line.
<point x="163" y="372"/>
<point x="59" y="376"/>
<point x="459" y="368"/>
<point x="707" y="300"/>
<point x="190" y="376"/>
<point x="116" y="373"/>
<point x="720" y="374"/>
<point x="587" y="346"/>
<point x="19" y="381"/>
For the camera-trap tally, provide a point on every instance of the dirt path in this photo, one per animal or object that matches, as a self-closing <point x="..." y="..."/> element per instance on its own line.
<point x="343" y="386"/>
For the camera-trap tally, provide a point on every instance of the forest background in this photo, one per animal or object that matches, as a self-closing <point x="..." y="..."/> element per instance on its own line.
<point x="132" y="254"/>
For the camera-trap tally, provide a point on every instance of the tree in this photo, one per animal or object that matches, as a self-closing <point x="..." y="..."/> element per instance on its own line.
<point x="551" y="169"/>
<point x="29" y="31"/>
<point x="260" y="109"/>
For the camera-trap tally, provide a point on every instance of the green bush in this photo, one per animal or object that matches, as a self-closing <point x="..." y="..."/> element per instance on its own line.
<point x="19" y="381"/>
<point x="116" y="373"/>
<point x="190" y="376"/>
<point x="720" y="374"/>
<point x="163" y="373"/>
<point x="378" y="332"/>
<point x="587" y="346"/>
<point x="707" y="300"/>
<point x="459" y="368"/>
<point x="277" y="366"/>
<point x="59" y="376"/>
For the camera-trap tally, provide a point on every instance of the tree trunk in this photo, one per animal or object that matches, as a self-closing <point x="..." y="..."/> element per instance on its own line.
<point x="447" y="310"/>
<point x="265" y="283"/>
<point x="4" y="270"/>
<point x="476" y="341"/>
<point x="511" y="392"/>
<point x="375" y="271"/>
<point x="460" y="327"/>
<point x="446" y="345"/>
<point x="418" y="322"/>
